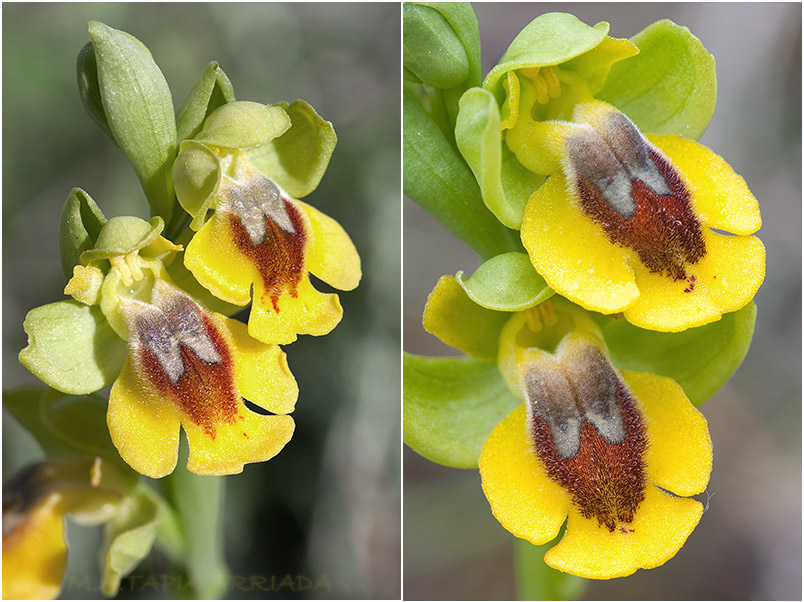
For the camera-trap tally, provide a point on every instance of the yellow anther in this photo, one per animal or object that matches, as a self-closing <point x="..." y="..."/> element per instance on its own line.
<point x="133" y="263"/>
<point x="551" y="79"/>
<point x="548" y="312"/>
<point x="533" y="318"/>
<point x="119" y="263"/>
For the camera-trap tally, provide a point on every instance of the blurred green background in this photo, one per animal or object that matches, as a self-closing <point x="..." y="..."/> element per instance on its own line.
<point x="327" y="508"/>
<point x="748" y="544"/>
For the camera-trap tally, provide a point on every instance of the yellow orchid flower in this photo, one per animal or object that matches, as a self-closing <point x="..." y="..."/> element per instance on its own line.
<point x="634" y="224"/>
<point x="188" y="366"/>
<point x="615" y="456"/>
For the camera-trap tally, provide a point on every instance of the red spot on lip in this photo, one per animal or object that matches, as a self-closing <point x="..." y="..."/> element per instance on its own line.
<point x="664" y="231"/>
<point x="605" y="480"/>
<point x="205" y="392"/>
<point x="280" y="257"/>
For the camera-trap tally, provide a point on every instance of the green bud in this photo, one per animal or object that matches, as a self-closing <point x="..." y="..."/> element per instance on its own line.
<point x="138" y="109"/>
<point x="432" y="50"/>
<point x="80" y="226"/>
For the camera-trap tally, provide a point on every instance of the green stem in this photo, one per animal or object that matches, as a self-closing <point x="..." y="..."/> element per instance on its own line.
<point x="537" y="581"/>
<point x="198" y="502"/>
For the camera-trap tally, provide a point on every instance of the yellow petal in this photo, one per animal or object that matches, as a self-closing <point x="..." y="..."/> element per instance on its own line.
<point x="522" y="497"/>
<point x="251" y="438"/>
<point x="144" y="426"/>
<point x="261" y="371"/>
<point x="660" y="527"/>
<point x="217" y="263"/>
<point x="573" y="254"/>
<point x="726" y="279"/>
<point x="35" y="554"/>
<point x="332" y="257"/>
<point x="310" y="312"/>
<point x="680" y="454"/>
<point x="720" y="196"/>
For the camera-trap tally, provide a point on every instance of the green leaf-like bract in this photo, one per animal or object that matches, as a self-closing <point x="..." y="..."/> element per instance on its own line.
<point x="451" y="405"/>
<point x="139" y="110"/>
<point x="700" y="359"/>
<point x="670" y="87"/>
<point x="72" y="348"/>
<point x="63" y="425"/>
<point x="128" y="538"/>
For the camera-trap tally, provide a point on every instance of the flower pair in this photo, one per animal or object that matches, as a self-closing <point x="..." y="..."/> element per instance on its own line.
<point x="174" y="362"/>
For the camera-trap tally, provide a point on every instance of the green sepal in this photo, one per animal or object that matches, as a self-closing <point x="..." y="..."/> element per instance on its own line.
<point x="670" y="87"/>
<point x="89" y="90"/>
<point x="139" y="110"/>
<point x="212" y="90"/>
<point x="504" y="183"/>
<point x="63" y="425"/>
<point x="437" y="178"/>
<point x="123" y="235"/>
<point x="72" y="348"/>
<point x="431" y="49"/>
<point x="550" y="39"/>
<point x="297" y="159"/>
<point x="196" y="174"/>
<point x="460" y="322"/>
<point x="79" y="228"/>
<point x="243" y="125"/>
<point x="451" y="405"/>
<point x="128" y="538"/>
<point x="700" y="359"/>
<point x="507" y="283"/>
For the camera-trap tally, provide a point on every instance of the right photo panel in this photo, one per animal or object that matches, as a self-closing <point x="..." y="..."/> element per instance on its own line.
<point x="602" y="301"/>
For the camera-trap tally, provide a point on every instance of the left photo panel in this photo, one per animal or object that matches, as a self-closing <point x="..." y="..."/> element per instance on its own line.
<point x="201" y="301"/>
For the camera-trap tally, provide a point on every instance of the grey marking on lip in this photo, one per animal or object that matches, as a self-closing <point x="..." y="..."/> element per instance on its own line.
<point x="611" y="157"/>
<point x="580" y="386"/>
<point x="162" y="330"/>
<point x="255" y="200"/>
<point x="550" y="397"/>
<point x="595" y="388"/>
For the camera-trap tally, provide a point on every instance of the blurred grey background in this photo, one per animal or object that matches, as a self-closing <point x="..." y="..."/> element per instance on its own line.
<point x="748" y="545"/>
<point x="328" y="505"/>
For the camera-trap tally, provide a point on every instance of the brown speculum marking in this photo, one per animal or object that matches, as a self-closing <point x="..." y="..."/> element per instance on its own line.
<point x="186" y="357"/>
<point x="636" y="196"/>
<point x="270" y="231"/>
<point x="589" y="435"/>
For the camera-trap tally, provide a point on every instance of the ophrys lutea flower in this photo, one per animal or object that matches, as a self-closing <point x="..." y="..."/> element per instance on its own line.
<point x="640" y="224"/>
<point x="258" y="234"/>
<point x="613" y="455"/>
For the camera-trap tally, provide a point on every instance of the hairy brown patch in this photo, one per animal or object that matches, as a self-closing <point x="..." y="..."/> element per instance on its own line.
<point x="280" y="257"/>
<point x="664" y="230"/>
<point x="606" y="481"/>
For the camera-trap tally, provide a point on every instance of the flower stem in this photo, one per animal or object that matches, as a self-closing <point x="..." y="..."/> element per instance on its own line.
<point x="537" y="581"/>
<point x="198" y="502"/>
